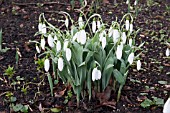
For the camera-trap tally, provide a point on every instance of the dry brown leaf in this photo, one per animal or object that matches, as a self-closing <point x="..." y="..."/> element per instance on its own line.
<point x="61" y="93"/>
<point x="106" y="2"/>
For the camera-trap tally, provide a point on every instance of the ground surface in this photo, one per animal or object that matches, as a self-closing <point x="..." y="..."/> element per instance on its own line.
<point x="19" y="21"/>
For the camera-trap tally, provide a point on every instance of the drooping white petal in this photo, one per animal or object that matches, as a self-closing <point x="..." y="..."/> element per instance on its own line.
<point x="50" y="40"/>
<point x="43" y="43"/>
<point x="60" y="64"/>
<point x="138" y="65"/>
<point x="116" y="35"/>
<point x="166" y="108"/>
<point x="103" y="42"/>
<point x="58" y="46"/>
<point x="99" y="74"/>
<point x="66" y="22"/>
<point x="94" y="74"/>
<point x="119" y="51"/>
<point x="44" y="29"/>
<point x="135" y="3"/>
<point x="127" y="25"/>
<point x="110" y="31"/>
<point x="82" y="36"/>
<point x="167" y="52"/>
<point x="38" y="49"/>
<point x="75" y="36"/>
<point x="68" y="54"/>
<point x="124" y="37"/>
<point x="94" y="26"/>
<point x="98" y="24"/>
<point x="101" y="35"/>
<point x="65" y="44"/>
<point x="46" y="65"/>
<point x="127" y="2"/>
<point x="80" y="22"/>
<point x="40" y="26"/>
<point x="131" y="28"/>
<point x="130" y="58"/>
<point x="130" y="42"/>
<point x="55" y="37"/>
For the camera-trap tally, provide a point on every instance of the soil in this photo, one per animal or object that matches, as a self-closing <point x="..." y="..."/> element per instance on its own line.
<point x="19" y="21"/>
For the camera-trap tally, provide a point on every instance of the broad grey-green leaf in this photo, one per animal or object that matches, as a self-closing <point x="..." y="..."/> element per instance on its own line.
<point x="118" y="76"/>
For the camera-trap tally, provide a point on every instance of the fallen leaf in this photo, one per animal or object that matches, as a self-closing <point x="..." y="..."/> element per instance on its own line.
<point x="40" y="107"/>
<point x="61" y="93"/>
<point x="106" y="2"/>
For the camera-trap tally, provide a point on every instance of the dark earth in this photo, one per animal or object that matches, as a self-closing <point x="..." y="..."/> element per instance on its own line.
<point x="19" y="23"/>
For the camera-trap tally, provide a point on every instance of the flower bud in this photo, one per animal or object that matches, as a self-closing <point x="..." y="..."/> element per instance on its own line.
<point x="66" y="22"/>
<point x="68" y="54"/>
<point x="130" y="58"/>
<point x="131" y="28"/>
<point x="80" y="22"/>
<point x="82" y="36"/>
<point x="96" y="74"/>
<point x="138" y="65"/>
<point x="167" y="52"/>
<point x="116" y="35"/>
<point x="50" y="41"/>
<point x="130" y="42"/>
<point x="58" y="46"/>
<point x="124" y="37"/>
<point x="38" y="49"/>
<point x="166" y="108"/>
<point x="43" y="43"/>
<point x="60" y="64"/>
<point x="119" y="51"/>
<point x="127" y="25"/>
<point x="46" y="65"/>
<point x="94" y="26"/>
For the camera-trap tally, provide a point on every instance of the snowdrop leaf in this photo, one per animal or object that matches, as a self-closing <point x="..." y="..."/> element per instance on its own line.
<point x="50" y="83"/>
<point x="119" y="77"/>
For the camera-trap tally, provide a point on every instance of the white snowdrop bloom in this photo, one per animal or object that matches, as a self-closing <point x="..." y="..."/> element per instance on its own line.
<point x="119" y="51"/>
<point x="103" y="42"/>
<point x="110" y="32"/>
<point x="65" y="44"/>
<point x="44" y="29"/>
<point x="127" y="25"/>
<point x="98" y="24"/>
<point x="80" y="22"/>
<point x="124" y="37"/>
<point x="135" y="3"/>
<point x="167" y="52"/>
<point x="58" y="46"/>
<point x="131" y="28"/>
<point x="101" y="35"/>
<point x="43" y="43"/>
<point x="130" y="58"/>
<point x="55" y="37"/>
<point x="47" y="65"/>
<point x="94" y="26"/>
<point x="82" y="36"/>
<point x="116" y="35"/>
<point x="166" y="108"/>
<point x="138" y="65"/>
<point x="68" y="54"/>
<point x="66" y="22"/>
<point x="38" y="49"/>
<point x="50" y="40"/>
<point x="127" y="2"/>
<point x="130" y="42"/>
<point x="40" y="25"/>
<point x="96" y="74"/>
<point x="60" y="64"/>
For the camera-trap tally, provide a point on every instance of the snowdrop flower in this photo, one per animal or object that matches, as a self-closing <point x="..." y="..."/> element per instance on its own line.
<point x="66" y="22"/>
<point x="58" y="46"/>
<point x="110" y="31"/>
<point x="80" y="22"/>
<point x="131" y="28"/>
<point x="65" y="44"/>
<point x="42" y="28"/>
<point x="46" y="65"/>
<point x="101" y="35"/>
<point x="127" y="2"/>
<point x="166" y="108"/>
<point x="138" y="65"/>
<point x="43" y="43"/>
<point x="68" y="54"/>
<point x="60" y="64"/>
<point x="130" y="42"/>
<point x="103" y="42"/>
<point x="116" y="35"/>
<point x="119" y="51"/>
<point x="82" y="36"/>
<point x="94" y="26"/>
<point x="167" y="52"/>
<point x="38" y="49"/>
<point x="96" y="74"/>
<point x="55" y="37"/>
<point x="124" y="37"/>
<point x="50" y="40"/>
<point x="130" y="58"/>
<point x="127" y="25"/>
<point x="135" y="3"/>
<point x="98" y="24"/>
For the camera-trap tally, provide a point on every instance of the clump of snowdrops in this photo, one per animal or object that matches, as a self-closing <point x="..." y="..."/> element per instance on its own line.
<point x="89" y="54"/>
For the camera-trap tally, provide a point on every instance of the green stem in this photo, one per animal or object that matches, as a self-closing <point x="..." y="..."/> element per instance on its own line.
<point x="119" y="92"/>
<point x="1" y="39"/>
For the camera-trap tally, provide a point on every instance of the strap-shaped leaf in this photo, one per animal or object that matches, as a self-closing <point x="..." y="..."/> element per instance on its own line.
<point x="119" y="77"/>
<point x="50" y="83"/>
